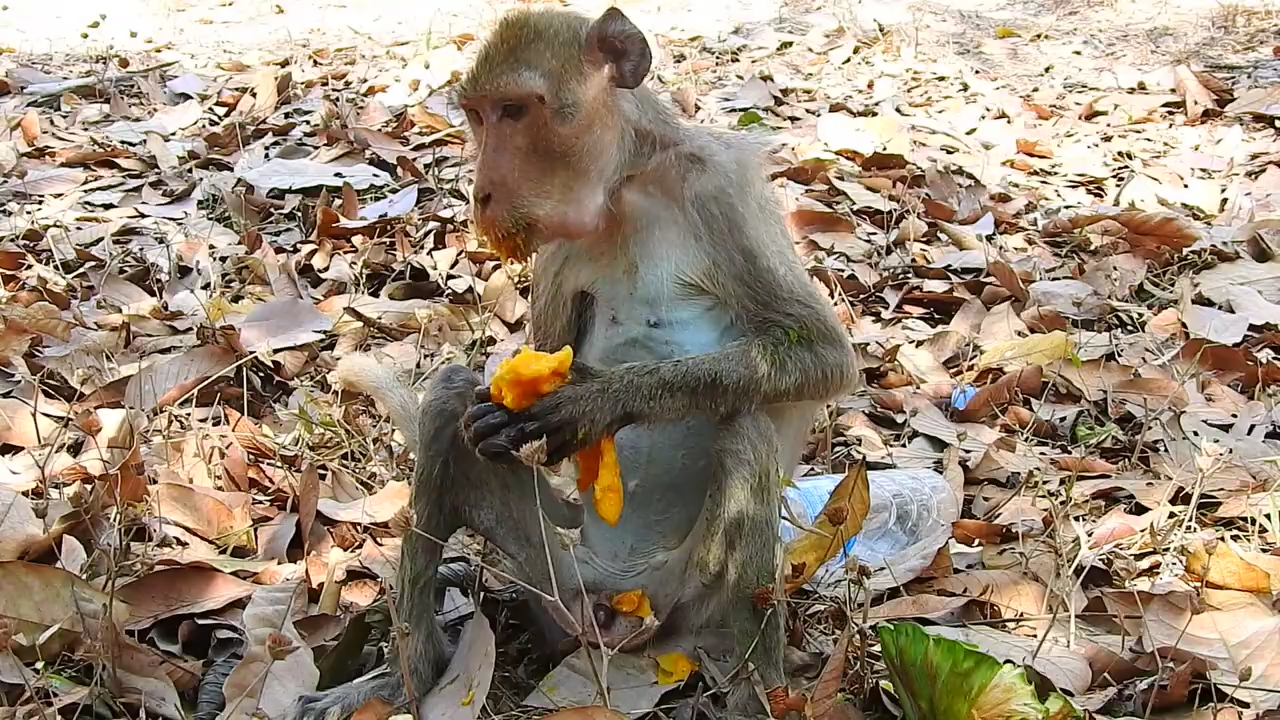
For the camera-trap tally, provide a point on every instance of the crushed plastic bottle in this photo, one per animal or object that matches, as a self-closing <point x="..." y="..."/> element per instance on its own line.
<point x="909" y="519"/>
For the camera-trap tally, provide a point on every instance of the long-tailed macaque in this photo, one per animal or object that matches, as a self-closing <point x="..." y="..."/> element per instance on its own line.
<point x="698" y="338"/>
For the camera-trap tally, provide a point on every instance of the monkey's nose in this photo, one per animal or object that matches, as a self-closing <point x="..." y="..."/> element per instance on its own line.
<point x="604" y="615"/>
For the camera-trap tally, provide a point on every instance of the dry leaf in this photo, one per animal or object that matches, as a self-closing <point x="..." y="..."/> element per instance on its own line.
<point x="461" y="691"/>
<point x="156" y="382"/>
<point x="1221" y="567"/>
<point x="841" y="519"/>
<point x="219" y="517"/>
<point x="277" y="667"/>
<point x="19" y="526"/>
<point x="1239" y="635"/>
<point x="179" y="591"/>
<point x="377" y="508"/>
<point x="37" y="598"/>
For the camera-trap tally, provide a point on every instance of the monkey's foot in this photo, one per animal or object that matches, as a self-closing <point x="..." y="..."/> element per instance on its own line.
<point x="341" y="702"/>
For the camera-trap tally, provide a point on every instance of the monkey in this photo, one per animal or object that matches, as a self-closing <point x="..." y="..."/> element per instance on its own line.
<point x="660" y="255"/>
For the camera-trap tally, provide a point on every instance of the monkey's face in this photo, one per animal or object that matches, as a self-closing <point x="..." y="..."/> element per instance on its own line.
<point x="542" y="101"/>
<point x="537" y="174"/>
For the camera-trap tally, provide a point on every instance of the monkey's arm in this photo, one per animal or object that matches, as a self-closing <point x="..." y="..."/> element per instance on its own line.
<point x="793" y="349"/>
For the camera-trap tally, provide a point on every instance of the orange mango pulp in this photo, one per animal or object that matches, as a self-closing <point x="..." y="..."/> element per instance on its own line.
<point x="526" y="376"/>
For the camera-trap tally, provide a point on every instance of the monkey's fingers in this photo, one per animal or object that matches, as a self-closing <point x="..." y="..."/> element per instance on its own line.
<point x="483" y="394"/>
<point x="506" y="442"/>
<point x="487" y="421"/>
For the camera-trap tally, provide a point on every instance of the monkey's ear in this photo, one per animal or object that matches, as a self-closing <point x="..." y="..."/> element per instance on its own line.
<point x="616" y="41"/>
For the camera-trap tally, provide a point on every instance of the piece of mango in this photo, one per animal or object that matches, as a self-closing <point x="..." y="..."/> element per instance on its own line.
<point x="632" y="602"/>
<point x="521" y="380"/>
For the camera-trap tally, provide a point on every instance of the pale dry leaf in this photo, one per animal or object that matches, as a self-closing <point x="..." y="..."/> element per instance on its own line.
<point x="165" y="122"/>
<point x="922" y="365"/>
<point x="1065" y="668"/>
<point x="19" y="526"/>
<point x="594" y="712"/>
<point x="1071" y="298"/>
<point x="37" y="598"/>
<point x="281" y="324"/>
<point x="501" y="295"/>
<point x="1213" y="324"/>
<point x="1217" y="282"/>
<point x="48" y="181"/>
<point x="278" y="666"/>
<point x="461" y="691"/>
<point x="283" y="174"/>
<point x="179" y="591"/>
<point x="1239" y="636"/>
<point x="174" y="376"/>
<point x="220" y="517"/>
<point x="377" y="508"/>
<point x="1249" y="303"/>
<point x="22" y="426"/>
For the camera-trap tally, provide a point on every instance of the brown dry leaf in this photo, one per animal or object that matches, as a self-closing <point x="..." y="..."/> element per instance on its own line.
<point x="278" y="666"/>
<point x="179" y="591"/>
<point x="377" y="508"/>
<point x="1195" y="96"/>
<point x="19" y="526"/>
<point x="1217" y="565"/>
<point x="826" y="691"/>
<point x="929" y="607"/>
<point x="21" y="425"/>
<point x="155" y="384"/>
<point x="1239" y="635"/>
<point x="1034" y="148"/>
<point x="841" y="518"/>
<point x="220" y="517"/>
<point x="39" y="597"/>
<point x="1010" y="592"/>
<point x="977" y="532"/>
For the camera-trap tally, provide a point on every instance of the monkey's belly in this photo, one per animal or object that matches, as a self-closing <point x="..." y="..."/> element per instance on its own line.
<point x="666" y="470"/>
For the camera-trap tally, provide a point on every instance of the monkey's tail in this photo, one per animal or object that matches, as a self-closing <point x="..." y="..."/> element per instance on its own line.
<point x="361" y="373"/>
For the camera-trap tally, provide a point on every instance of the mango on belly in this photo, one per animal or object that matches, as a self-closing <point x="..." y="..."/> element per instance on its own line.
<point x="526" y="376"/>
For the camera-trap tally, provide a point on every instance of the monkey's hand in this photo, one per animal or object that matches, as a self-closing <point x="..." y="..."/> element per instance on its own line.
<point x="572" y="417"/>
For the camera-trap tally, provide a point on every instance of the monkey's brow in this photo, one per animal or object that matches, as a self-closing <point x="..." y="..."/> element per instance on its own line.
<point x="515" y="81"/>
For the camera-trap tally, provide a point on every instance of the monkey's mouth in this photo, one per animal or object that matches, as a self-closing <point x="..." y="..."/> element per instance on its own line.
<point x="513" y="237"/>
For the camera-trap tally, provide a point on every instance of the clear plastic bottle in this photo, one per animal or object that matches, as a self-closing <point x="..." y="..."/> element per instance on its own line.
<point x="909" y="519"/>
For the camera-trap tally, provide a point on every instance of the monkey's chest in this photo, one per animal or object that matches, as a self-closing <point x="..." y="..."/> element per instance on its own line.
<point x="666" y="467"/>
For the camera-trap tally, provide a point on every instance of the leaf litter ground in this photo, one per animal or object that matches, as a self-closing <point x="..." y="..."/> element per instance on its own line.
<point x="1051" y="231"/>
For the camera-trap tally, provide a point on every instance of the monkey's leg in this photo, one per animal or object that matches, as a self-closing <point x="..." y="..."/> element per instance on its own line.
<point x="741" y="553"/>
<point x="452" y="487"/>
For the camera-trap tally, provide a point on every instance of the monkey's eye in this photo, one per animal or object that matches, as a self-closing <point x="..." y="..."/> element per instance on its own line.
<point x="475" y="118"/>
<point x="514" y="111"/>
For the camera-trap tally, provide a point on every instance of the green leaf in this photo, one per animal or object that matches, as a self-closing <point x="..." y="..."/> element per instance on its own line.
<point x="938" y="678"/>
<point x="749" y="118"/>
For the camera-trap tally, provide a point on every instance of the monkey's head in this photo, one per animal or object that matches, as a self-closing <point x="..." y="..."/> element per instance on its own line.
<point x="545" y="103"/>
